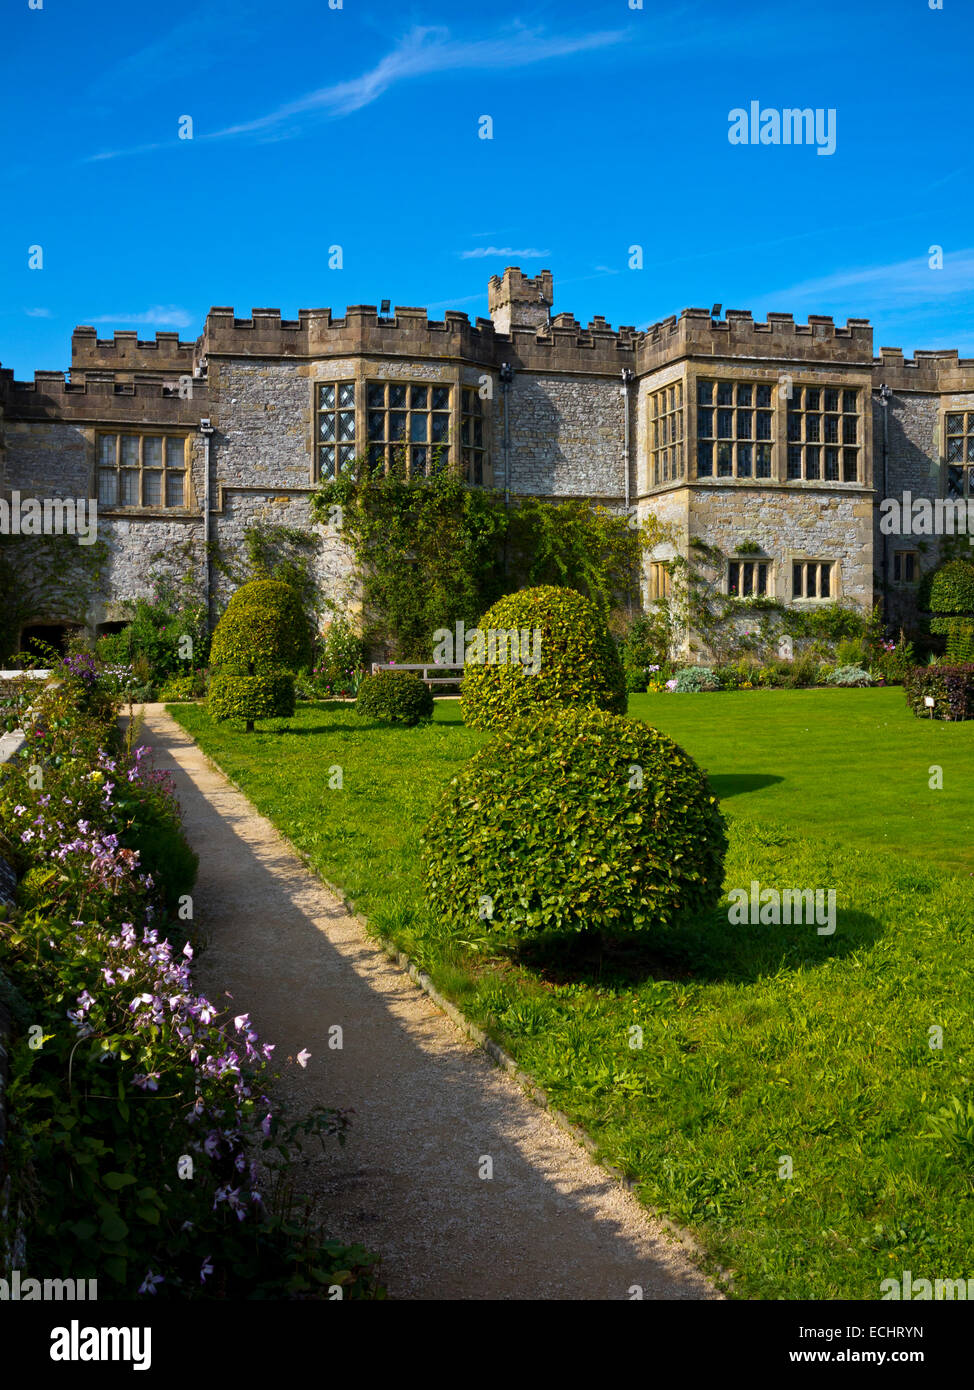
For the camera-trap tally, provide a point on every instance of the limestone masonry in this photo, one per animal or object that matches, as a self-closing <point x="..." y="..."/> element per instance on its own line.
<point x="775" y="442"/>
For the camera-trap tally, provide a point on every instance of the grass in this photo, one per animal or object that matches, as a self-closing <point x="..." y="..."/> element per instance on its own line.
<point x="757" y="1044"/>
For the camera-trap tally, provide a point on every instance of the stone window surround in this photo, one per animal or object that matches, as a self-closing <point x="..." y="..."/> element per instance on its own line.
<point x="966" y="448"/>
<point x="903" y="582"/>
<point x="795" y="557"/>
<point x="753" y="560"/>
<point x="759" y="374"/>
<point x="376" y="369"/>
<point x="673" y="420"/>
<point x="189" y="508"/>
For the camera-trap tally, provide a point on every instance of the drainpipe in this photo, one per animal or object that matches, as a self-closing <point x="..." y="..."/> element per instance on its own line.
<point x="885" y="395"/>
<point x="507" y="376"/>
<point x="628" y="377"/>
<point x="206" y="430"/>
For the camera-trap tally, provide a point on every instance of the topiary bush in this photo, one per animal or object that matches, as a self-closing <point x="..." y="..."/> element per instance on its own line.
<point x="579" y="664"/>
<point x="266" y="695"/>
<point x="952" y="592"/>
<point x="691" y="680"/>
<point x="264" y="628"/>
<point x="573" y="820"/>
<point x="398" y="697"/>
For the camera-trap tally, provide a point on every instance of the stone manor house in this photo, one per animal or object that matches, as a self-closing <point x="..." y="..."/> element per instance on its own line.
<point x="774" y="442"/>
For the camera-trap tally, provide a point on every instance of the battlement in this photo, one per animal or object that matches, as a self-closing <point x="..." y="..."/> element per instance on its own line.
<point x="54" y="396"/>
<point x="516" y="300"/>
<point x="934" y="369"/>
<point x="696" y="333"/>
<point x="561" y="345"/>
<point x="126" y="351"/>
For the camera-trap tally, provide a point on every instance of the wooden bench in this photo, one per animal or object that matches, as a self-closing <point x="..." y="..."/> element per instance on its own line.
<point x="416" y="667"/>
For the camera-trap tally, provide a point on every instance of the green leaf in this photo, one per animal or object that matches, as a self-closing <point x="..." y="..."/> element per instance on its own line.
<point x="115" y="1181"/>
<point x="113" y="1227"/>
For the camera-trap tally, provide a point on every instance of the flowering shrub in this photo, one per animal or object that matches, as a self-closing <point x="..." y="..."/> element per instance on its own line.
<point x="143" y="1148"/>
<point x="950" y="687"/>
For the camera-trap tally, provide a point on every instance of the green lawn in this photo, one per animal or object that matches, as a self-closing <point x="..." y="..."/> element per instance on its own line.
<point x="757" y="1042"/>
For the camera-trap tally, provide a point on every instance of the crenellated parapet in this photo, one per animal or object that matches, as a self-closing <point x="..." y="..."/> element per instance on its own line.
<point x="54" y="396"/>
<point x="125" y="351"/>
<point x="560" y="344"/>
<point x="938" y="370"/>
<point x="696" y="333"/>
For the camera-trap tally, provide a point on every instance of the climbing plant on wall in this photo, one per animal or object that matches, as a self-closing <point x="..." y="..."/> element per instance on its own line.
<point x="46" y="578"/>
<point x="431" y="552"/>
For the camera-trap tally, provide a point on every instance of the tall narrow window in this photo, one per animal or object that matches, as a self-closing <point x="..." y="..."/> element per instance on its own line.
<point x="336" y="428"/>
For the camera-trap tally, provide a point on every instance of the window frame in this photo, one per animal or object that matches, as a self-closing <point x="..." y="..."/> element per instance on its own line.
<point x="164" y="470"/>
<point x="820" y="562"/>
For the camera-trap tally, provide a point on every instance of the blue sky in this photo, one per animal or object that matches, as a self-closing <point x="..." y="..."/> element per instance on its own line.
<point x="359" y="127"/>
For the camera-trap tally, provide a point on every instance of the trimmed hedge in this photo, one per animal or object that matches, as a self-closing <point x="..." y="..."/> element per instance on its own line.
<point x="952" y="689"/>
<point x="574" y="820"/>
<point x="952" y="592"/>
<point x="580" y="664"/>
<point x="267" y="695"/>
<point x="264" y="628"/>
<point x="396" y="696"/>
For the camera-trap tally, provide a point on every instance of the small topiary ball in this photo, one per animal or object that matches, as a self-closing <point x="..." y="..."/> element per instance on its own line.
<point x="396" y="696"/>
<point x="574" y="820"/>
<point x="262" y="628"/>
<point x="578" y="662"/>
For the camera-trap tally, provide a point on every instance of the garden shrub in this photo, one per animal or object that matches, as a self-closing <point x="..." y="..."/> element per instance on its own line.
<point x="960" y="642"/>
<point x="951" y="592"/>
<point x="398" y="697"/>
<point x="579" y="661"/>
<point x="572" y="820"/>
<point x="850" y="675"/>
<point x="951" y="687"/>
<point x="263" y="628"/>
<point x="178" y="688"/>
<point x="269" y="695"/>
<point x="691" y="680"/>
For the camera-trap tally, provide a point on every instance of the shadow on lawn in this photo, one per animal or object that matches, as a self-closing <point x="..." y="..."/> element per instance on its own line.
<point x="729" y="784"/>
<point x="703" y="949"/>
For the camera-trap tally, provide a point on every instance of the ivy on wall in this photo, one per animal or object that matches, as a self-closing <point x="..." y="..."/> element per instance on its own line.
<point x="431" y="552"/>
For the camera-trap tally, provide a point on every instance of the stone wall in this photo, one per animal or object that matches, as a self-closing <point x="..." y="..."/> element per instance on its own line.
<point x="567" y="436"/>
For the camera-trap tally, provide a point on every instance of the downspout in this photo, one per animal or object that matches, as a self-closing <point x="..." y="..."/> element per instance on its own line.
<point x="507" y="376"/>
<point x="206" y="430"/>
<point x="885" y="393"/>
<point x="628" y="376"/>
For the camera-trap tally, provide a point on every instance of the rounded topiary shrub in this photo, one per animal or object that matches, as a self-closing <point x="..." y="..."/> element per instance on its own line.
<point x="264" y="695"/>
<point x="577" y="662"/>
<point x="951" y="593"/>
<point x="396" y="696"/>
<point x="263" y="628"/>
<point x="574" y="820"/>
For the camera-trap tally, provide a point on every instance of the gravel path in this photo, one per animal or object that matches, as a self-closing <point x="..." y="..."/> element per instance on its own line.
<point x="428" y="1103"/>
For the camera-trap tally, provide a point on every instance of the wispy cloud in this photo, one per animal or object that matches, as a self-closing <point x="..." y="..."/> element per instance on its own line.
<point x="886" y="287"/>
<point x="38" y="313"/>
<point x="529" y="253"/>
<point x="189" y="48"/>
<point x="424" y="51"/>
<point x="160" y="315"/>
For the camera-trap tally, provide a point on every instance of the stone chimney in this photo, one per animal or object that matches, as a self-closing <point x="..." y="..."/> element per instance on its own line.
<point x="517" y="301"/>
